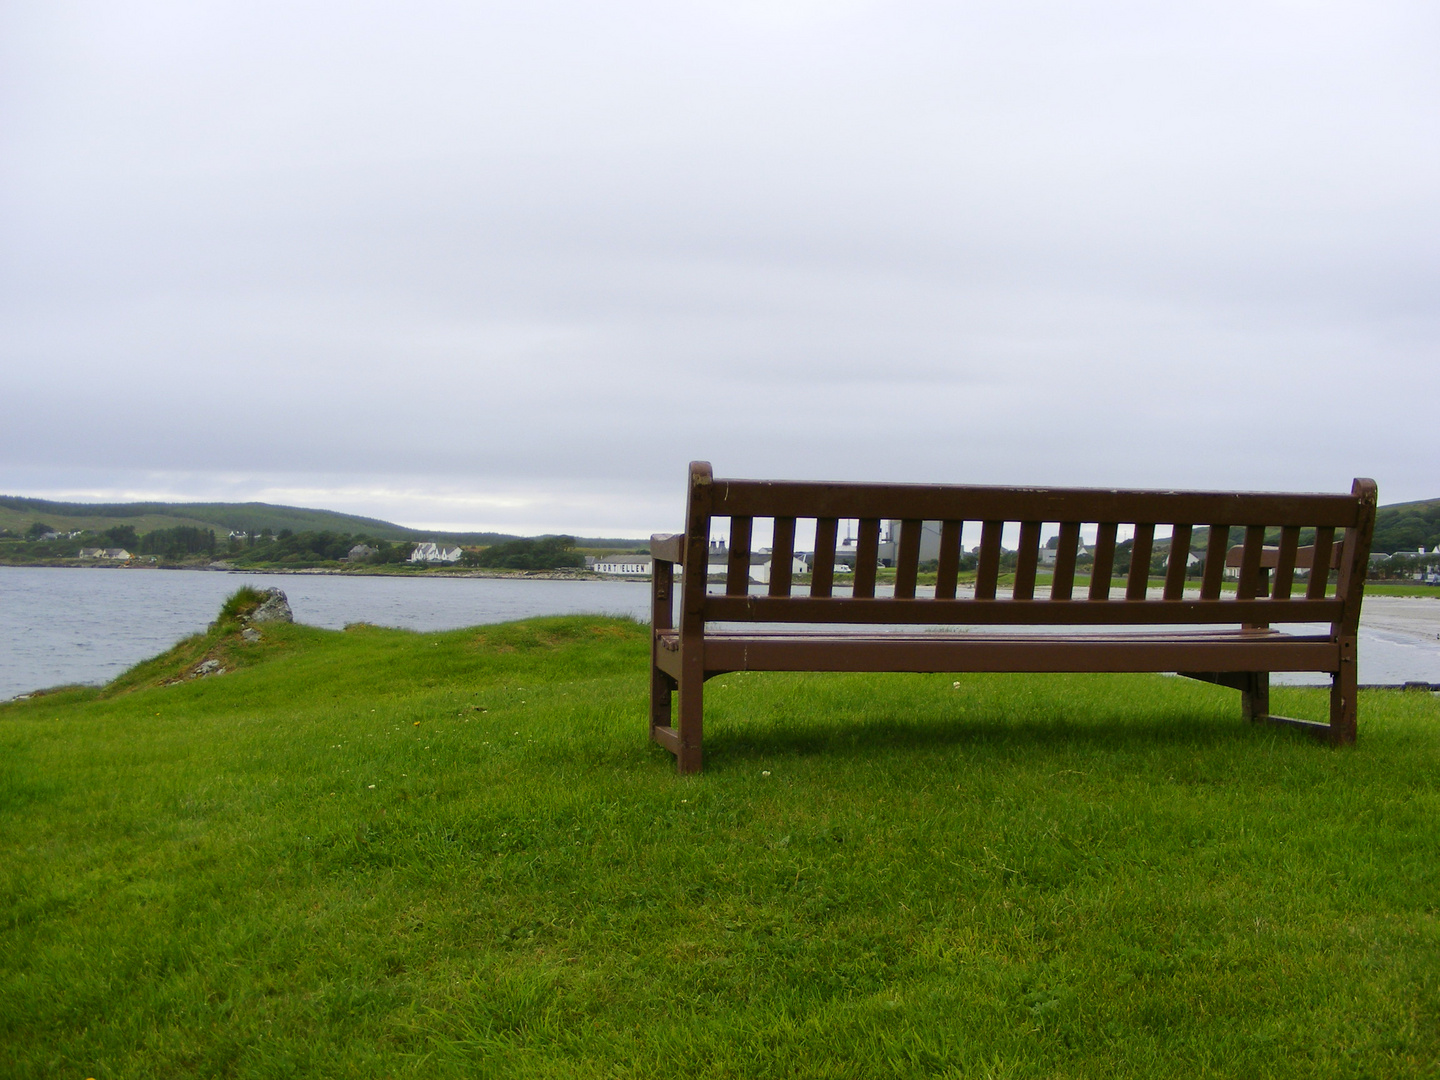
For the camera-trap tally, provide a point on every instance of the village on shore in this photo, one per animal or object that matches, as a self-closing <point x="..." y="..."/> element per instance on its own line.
<point x="286" y="551"/>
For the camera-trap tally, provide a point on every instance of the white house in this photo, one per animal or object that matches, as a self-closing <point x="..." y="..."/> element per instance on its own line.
<point x="429" y="553"/>
<point x="760" y="564"/>
<point x="1049" y="554"/>
<point x="116" y="553"/>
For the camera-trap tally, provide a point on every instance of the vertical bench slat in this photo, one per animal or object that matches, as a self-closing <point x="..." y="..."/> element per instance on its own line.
<point x="1320" y="565"/>
<point x="1140" y="549"/>
<point x="1027" y="560"/>
<point x="949" y="569"/>
<point x="1215" y="562"/>
<point x="1062" y="586"/>
<point x="737" y="572"/>
<point x="988" y="572"/>
<point x="1249" y="585"/>
<point x="1101" y="572"/>
<point x="782" y="552"/>
<point x="867" y="551"/>
<point x="822" y="570"/>
<point x="1285" y="562"/>
<point x="1179" y="563"/>
<point x="907" y="558"/>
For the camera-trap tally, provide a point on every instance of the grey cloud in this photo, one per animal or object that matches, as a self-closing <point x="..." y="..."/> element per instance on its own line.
<point x="572" y="247"/>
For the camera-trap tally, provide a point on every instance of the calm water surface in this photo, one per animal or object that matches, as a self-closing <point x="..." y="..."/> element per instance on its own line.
<point x="61" y="625"/>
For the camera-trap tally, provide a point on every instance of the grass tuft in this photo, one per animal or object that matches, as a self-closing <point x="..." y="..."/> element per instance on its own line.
<point x="240" y="604"/>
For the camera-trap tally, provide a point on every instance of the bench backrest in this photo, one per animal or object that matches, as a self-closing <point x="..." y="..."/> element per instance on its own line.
<point x="1266" y="590"/>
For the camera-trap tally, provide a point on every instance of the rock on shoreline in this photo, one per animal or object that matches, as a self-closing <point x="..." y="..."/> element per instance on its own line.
<point x="276" y="608"/>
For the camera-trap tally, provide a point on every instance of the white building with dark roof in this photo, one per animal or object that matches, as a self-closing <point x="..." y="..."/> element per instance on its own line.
<point x="434" y="553"/>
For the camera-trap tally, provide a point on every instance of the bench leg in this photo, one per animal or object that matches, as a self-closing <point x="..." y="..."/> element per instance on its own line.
<point x="662" y="687"/>
<point x="1254" y="687"/>
<point x="1255" y="696"/>
<point x="1344" y="690"/>
<point x="692" y="703"/>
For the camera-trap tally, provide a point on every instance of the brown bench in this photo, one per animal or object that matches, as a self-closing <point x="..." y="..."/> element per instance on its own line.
<point x="1220" y="636"/>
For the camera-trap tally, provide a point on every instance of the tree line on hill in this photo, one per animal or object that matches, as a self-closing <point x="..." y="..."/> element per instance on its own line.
<point x="1399" y="529"/>
<point x="541" y="553"/>
<point x="40" y="541"/>
<point x="285" y="547"/>
<point x="1407" y="527"/>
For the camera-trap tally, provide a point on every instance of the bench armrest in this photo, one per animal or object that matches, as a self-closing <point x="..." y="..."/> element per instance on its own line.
<point x="668" y="547"/>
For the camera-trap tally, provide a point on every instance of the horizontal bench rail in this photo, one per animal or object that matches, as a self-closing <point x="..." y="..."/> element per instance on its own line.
<point x="926" y="502"/>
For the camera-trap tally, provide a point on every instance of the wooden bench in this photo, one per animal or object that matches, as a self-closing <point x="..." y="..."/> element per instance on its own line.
<point x="1219" y="636"/>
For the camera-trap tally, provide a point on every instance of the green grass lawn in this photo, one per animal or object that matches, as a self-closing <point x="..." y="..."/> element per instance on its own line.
<point x="379" y="853"/>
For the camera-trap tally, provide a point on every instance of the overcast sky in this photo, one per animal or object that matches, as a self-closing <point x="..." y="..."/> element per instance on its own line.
<point x="512" y="266"/>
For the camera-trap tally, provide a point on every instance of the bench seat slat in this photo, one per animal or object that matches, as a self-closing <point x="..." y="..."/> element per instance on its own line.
<point x="1015" y="653"/>
<point x="890" y="611"/>
<point x="1169" y="634"/>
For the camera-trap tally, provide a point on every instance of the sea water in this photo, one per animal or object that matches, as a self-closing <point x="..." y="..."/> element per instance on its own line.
<point x="61" y="625"/>
<point x="72" y="625"/>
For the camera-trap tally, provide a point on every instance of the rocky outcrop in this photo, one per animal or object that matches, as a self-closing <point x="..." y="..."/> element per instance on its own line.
<point x="274" y="609"/>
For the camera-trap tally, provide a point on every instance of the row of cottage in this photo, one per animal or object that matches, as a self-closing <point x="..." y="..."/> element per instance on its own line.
<point x="639" y="565"/>
<point x="119" y="554"/>
<point x="423" y="553"/>
<point x="762" y="561"/>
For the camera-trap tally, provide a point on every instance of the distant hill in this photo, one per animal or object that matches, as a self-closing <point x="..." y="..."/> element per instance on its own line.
<point x="17" y="513"/>
<point x="1401" y="527"/>
<point x="1406" y="526"/>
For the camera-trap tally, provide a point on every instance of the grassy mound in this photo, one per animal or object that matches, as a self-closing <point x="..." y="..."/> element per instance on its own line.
<point x="378" y="853"/>
<point x="221" y="649"/>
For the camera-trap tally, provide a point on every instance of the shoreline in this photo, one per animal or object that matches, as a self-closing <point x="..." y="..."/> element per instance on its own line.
<point x="566" y="574"/>
<point x="331" y="571"/>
